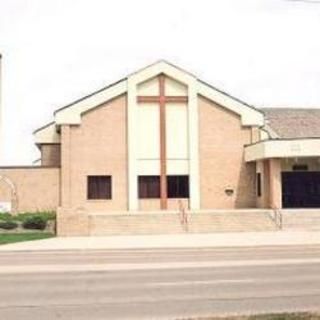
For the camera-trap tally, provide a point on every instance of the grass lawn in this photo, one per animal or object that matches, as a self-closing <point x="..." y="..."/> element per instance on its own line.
<point x="287" y="316"/>
<point x="18" y="237"/>
<point x="280" y="316"/>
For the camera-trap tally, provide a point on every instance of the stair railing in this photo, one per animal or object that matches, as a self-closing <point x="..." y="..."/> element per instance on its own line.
<point x="183" y="216"/>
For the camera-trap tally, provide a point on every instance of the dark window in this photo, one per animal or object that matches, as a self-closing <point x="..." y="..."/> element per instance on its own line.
<point x="178" y="186"/>
<point x="259" y="184"/>
<point x="149" y="187"/>
<point x="300" y="167"/>
<point x="99" y="187"/>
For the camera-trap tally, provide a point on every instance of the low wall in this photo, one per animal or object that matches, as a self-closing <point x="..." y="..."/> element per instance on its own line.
<point x="36" y="188"/>
<point x="72" y="222"/>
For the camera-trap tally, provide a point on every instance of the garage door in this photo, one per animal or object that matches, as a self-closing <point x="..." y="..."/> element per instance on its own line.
<point x="301" y="189"/>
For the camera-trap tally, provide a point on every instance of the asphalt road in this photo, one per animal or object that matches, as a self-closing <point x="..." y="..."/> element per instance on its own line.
<point x="168" y="284"/>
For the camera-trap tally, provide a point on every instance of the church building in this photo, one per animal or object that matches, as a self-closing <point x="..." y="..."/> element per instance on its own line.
<point x="160" y="142"/>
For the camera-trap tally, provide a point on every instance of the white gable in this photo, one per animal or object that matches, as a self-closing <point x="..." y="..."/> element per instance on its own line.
<point x="181" y="81"/>
<point x="47" y="134"/>
<point x="72" y="113"/>
<point x="249" y="115"/>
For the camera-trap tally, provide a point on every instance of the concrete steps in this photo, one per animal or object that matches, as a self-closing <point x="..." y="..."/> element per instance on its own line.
<point x="301" y="220"/>
<point x="230" y="222"/>
<point x="169" y="222"/>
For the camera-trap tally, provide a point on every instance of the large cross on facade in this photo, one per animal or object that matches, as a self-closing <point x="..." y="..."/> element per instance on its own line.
<point x="162" y="99"/>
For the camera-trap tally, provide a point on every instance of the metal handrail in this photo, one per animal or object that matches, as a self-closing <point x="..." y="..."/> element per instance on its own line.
<point x="183" y="216"/>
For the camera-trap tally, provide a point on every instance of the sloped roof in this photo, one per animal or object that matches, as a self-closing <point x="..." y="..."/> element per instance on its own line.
<point x="290" y="123"/>
<point x="71" y="114"/>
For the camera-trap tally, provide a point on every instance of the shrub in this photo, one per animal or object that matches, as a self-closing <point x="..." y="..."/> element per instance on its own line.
<point x="8" y="225"/>
<point x="35" y="222"/>
<point x="5" y="216"/>
<point x="46" y="215"/>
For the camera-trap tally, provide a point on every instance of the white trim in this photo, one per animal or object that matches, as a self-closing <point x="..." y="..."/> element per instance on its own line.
<point x="249" y="116"/>
<point x="162" y="67"/>
<point x="47" y="134"/>
<point x="72" y="114"/>
<point x="283" y="149"/>
<point x="191" y="82"/>
<point x="152" y="167"/>
<point x="270" y="132"/>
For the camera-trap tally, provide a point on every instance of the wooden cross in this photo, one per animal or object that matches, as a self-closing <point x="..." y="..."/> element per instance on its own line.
<point x="162" y="99"/>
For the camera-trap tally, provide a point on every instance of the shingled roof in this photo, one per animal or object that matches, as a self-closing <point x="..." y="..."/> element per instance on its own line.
<point x="290" y="123"/>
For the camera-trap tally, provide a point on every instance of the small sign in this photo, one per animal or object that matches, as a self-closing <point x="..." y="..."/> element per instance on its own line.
<point x="5" y="206"/>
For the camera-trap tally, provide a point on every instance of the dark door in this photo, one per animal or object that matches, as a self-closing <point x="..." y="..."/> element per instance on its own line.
<point x="301" y="189"/>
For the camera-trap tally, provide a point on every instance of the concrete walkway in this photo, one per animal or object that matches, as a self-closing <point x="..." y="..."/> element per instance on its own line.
<point x="243" y="239"/>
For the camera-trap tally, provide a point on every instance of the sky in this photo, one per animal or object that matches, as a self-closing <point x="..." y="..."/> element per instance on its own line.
<point x="265" y="52"/>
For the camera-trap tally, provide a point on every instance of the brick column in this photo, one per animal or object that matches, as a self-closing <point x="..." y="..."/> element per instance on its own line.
<point x="71" y="220"/>
<point x="266" y="184"/>
<point x="65" y="167"/>
<point x="275" y="186"/>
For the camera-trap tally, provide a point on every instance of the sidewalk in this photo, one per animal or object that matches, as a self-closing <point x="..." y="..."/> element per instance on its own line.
<point x="243" y="239"/>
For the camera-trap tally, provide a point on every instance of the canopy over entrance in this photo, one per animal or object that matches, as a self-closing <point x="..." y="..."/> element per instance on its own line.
<point x="283" y="148"/>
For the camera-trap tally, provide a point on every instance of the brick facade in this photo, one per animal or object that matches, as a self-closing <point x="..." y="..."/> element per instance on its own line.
<point x="37" y="188"/>
<point x="97" y="147"/>
<point x="222" y="166"/>
<point x="50" y="155"/>
<point x="92" y="137"/>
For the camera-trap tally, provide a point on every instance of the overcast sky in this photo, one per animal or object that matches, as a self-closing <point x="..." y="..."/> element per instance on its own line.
<point x="266" y="52"/>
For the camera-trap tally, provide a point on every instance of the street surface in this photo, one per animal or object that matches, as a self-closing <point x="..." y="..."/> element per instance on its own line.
<point x="158" y="283"/>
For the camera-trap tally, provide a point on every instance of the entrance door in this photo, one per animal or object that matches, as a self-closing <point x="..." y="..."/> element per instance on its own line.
<point x="301" y="189"/>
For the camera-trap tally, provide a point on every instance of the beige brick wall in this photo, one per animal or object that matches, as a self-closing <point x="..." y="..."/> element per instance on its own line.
<point x="37" y="188"/>
<point x="97" y="147"/>
<point x="266" y="183"/>
<point x="275" y="184"/>
<point x="72" y="222"/>
<point x="271" y="185"/>
<point x="50" y="155"/>
<point x="222" y="165"/>
<point x="262" y="201"/>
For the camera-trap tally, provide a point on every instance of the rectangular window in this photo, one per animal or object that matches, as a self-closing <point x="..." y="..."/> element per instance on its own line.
<point x="259" y="184"/>
<point x="149" y="187"/>
<point x="99" y="187"/>
<point x="178" y="186"/>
